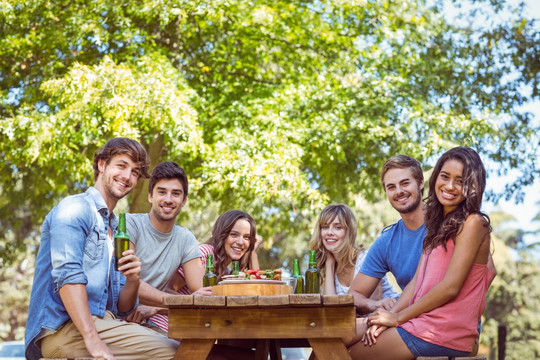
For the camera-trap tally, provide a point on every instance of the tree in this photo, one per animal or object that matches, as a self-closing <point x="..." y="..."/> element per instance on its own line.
<point x="513" y="298"/>
<point x="262" y="105"/>
<point x="276" y="109"/>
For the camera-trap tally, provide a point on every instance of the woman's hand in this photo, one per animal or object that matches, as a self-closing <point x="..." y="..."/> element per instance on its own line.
<point x="371" y="334"/>
<point x="258" y="242"/>
<point x="330" y="261"/>
<point x="383" y="317"/>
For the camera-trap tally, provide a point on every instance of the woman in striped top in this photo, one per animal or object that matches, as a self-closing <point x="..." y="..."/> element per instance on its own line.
<point x="234" y="237"/>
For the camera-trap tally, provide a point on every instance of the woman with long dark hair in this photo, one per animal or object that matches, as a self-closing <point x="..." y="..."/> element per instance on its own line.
<point x="440" y="309"/>
<point x="234" y="237"/>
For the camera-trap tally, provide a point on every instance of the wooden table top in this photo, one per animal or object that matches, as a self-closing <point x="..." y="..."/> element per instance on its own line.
<point x="292" y="300"/>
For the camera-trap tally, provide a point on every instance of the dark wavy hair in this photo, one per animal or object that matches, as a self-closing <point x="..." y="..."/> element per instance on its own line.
<point x="168" y="170"/>
<point x="221" y="230"/>
<point x="440" y="229"/>
<point x="123" y="146"/>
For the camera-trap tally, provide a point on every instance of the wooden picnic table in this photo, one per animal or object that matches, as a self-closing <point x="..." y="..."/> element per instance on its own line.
<point x="321" y="319"/>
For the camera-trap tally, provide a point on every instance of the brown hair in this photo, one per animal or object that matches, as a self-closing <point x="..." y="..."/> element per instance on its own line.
<point x="403" y="162"/>
<point x="123" y="146"/>
<point x="221" y="230"/>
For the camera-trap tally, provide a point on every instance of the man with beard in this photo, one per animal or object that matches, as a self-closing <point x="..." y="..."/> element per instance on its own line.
<point x="162" y="246"/>
<point x="398" y="248"/>
<point x="77" y="295"/>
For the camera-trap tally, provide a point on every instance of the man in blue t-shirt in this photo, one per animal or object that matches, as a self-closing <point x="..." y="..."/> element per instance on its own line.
<point x="398" y="248"/>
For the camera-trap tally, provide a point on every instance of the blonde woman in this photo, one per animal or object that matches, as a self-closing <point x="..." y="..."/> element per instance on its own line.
<point x="339" y="257"/>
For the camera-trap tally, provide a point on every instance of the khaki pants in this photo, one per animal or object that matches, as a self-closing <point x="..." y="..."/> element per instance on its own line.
<point x="126" y="341"/>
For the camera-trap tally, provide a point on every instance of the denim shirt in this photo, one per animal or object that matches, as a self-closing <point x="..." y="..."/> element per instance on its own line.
<point x="73" y="250"/>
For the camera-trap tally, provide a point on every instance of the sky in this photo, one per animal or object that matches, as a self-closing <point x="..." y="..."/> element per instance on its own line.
<point x="526" y="211"/>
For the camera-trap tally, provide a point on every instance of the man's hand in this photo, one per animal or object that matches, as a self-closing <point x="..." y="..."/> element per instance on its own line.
<point x="204" y="291"/>
<point x="97" y="348"/>
<point x="130" y="266"/>
<point x="142" y="312"/>
<point x="386" y="303"/>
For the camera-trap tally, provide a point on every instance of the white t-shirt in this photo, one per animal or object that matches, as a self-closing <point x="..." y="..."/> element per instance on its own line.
<point x="388" y="290"/>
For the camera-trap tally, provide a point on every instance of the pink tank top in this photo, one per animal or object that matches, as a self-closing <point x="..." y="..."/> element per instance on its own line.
<point x="455" y="324"/>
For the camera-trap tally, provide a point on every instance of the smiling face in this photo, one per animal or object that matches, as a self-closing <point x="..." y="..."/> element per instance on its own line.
<point x="237" y="242"/>
<point x="403" y="190"/>
<point x="449" y="185"/>
<point x="167" y="199"/>
<point x="118" y="177"/>
<point x="333" y="235"/>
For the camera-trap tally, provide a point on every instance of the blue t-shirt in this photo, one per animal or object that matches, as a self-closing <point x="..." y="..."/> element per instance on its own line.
<point x="396" y="250"/>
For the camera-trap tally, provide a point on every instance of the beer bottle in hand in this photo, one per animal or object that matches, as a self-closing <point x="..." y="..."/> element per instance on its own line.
<point x="121" y="240"/>
<point x="235" y="268"/>
<point x="312" y="275"/>
<point x="210" y="278"/>
<point x="299" y="288"/>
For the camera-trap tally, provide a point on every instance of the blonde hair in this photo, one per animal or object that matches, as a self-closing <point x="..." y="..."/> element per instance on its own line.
<point x="348" y="251"/>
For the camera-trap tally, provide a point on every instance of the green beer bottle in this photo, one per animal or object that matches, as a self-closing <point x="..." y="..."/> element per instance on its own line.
<point x="312" y="275"/>
<point x="299" y="289"/>
<point x="121" y="240"/>
<point x="209" y="278"/>
<point x="235" y="267"/>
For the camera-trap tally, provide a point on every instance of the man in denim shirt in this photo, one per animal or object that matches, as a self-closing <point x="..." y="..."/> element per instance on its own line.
<point x="77" y="294"/>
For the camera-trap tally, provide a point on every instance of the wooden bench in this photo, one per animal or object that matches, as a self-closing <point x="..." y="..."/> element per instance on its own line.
<point x="77" y="358"/>
<point x="455" y="358"/>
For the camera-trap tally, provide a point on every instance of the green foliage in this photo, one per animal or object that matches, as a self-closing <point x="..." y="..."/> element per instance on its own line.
<point x="277" y="108"/>
<point x="513" y="300"/>
<point x="274" y="108"/>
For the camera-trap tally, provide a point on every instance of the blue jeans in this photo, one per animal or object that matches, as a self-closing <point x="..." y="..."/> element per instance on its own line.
<point x="419" y="347"/>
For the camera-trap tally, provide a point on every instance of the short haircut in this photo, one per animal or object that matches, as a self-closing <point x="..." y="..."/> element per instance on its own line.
<point x="403" y="162"/>
<point x="123" y="146"/>
<point x="168" y="170"/>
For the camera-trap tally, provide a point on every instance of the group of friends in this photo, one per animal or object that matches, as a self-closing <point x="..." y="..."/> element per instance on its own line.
<point x="439" y="253"/>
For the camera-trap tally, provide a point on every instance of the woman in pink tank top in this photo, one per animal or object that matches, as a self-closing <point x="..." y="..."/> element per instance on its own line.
<point x="440" y="309"/>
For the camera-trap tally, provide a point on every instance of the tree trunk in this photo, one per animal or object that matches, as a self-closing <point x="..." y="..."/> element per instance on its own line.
<point x="139" y="200"/>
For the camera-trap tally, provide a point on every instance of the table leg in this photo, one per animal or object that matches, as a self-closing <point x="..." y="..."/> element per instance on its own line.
<point x="194" y="349"/>
<point x="261" y="349"/>
<point x="330" y="348"/>
<point x="275" y="349"/>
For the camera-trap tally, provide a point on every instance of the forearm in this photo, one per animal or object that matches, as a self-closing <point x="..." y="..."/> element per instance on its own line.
<point x="363" y="304"/>
<point x="254" y="260"/>
<point x="127" y="297"/>
<point x="194" y="273"/>
<point x="75" y="301"/>
<point x="329" y="283"/>
<point x="436" y="297"/>
<point x="405" y="298"/>
<point x="149" y="295"/>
